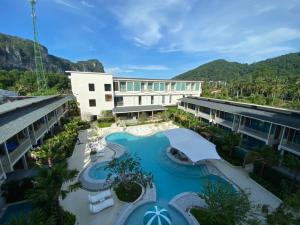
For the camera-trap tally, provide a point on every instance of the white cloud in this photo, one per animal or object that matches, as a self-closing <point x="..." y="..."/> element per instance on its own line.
<point x="148" y="67"/>
<point x="66" y="3"/>
<point x="237" y="28"/>
<point x="85" y="3"/>
<point x="117" y="70"/>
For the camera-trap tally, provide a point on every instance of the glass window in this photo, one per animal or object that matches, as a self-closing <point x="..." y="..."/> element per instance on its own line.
<point x="119" y="101"/>
<point x="162" y="86"/>
<point x="123" y="86"/>
<point x="129" y="86"/>
<point x="197" y="86"/>
<point x="150" y="86"/>
<point x="156" y="87"/>
<point x="108" y="98"/>
<point x="107" y="87"/>
<point x="116" y="86"/>
<point x="137" y="86"/>
<point x="92" y="102"/>
<point x="172" y="86"/>
<point x="178" y="86"/>
<point x="143" y="86"/>
<point x="91" y="87"/>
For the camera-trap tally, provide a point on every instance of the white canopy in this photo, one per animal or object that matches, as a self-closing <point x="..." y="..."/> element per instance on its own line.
<point x="193" y="145"/>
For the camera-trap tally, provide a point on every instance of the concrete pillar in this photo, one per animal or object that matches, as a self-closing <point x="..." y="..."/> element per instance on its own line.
<point x="47" y="122"/>
<point x="24" y="162"/>
<point x="8" y="157"/>
<point x="269" y="134"/>
<point x="33" y="135"/>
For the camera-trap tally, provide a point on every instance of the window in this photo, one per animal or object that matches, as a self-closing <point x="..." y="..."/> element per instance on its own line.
<point x="142" y="86"/>
<point x="137" y="86"/>
<point x="172" y="86"/>
<point x="163" y="99"/>
<point x="140" y="100"/>
<point x="150" y="86"/>
<point x="119" y="101"/>
<point x="197" y="86"/>
<point x="108" y="98"/>
<point x="116" y="86"/>
<point x="92" y="102"/>
<point x="152" y="100"/>
<point x="162" y="86"/>
<point x="91" y="87"/>
<point x="156" y="87"/>
<point x="129" y="86"/>
<point x="123" y="86"/>
<point x="107" y="87"/>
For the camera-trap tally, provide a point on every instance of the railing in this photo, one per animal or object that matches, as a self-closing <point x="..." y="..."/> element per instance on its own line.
<point x="52" y="121"/>
<point x="290" y="145"/>
<point x="181" y="107"/>
<point x="193" y="111"/>
<point x="60" y="112"/>
<point x="253" y="132"/>
<point x="20" y="150"/>
<point x="40" y="131"/>
<point x="203" y="115"/>
<point x="5" y="163"/>
<point x="224" y="122"/>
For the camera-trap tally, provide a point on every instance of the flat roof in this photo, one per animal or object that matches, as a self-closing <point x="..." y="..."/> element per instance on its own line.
<point x="290" y="118"/>
<point x="142" y="108"/>
<point x="14" y="121"/>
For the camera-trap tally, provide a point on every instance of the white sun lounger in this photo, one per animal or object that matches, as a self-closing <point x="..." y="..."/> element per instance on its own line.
<point x="99" y="197"/>
<point x="95" y="208"/>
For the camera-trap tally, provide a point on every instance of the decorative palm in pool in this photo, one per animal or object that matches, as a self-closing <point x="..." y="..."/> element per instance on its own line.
<point x="157" y="216"/>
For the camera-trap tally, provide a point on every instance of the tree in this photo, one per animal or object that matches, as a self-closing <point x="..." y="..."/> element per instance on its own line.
<point x="142" y="117"/>
<point x="230" y="141"/>
<point x="47" y="188"/>
<point x="36" y="217"/>
<point x="293" y="163"/>
<point x="265" y="155"/>
<point x="128" y="170"/>
<point x="226" y="206"/>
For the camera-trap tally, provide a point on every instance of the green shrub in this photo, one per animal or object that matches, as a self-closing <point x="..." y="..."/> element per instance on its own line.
<point x="69" y="218"/>
<point x="106" y="120"/>
<point x="14" y="191"/>
<point x="128" y="195"/>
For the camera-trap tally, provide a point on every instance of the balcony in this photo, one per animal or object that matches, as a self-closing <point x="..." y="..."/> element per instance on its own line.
<point x="203" y="115"/>
<point x="181" y="107"/>
<point x="290" y="146"/>
<point x="60" y="112"/>
<point x="223" y="122"/>
<point x="39" y="132"/>
<point x="51" y="121"/>
<point x="193" y="111"/>
<point x="254" y="133"/>
<point x="19" y="151"/>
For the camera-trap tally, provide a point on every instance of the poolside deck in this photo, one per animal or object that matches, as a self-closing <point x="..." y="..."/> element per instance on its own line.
<point x="77" y="203"/>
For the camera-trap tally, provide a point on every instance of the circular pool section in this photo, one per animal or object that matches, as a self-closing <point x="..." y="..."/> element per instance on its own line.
<point x="137" y="216"/>
<point x="98" y="171"/>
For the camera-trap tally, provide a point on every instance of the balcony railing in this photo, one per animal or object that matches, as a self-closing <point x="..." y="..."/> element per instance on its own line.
<point x="193" y="111"/>
<point x="40" y="131"/>
<point x="20" y="150"/>
<point x="52" y="121"/>
<point x="252" y="132"/>
<point x="203" y="115"/>
<point x="224" y="122"/>
<point x="290" y="145"/>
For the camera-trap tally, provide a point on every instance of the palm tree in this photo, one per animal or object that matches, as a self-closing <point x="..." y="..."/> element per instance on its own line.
<point x="230" y="141"/>
<point x="47" y="188"/>
<point x="36" y="217"/>
<point x="265" y="155"/>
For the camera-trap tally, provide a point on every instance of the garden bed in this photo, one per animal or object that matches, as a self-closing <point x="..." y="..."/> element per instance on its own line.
<point x="130" y="195"/>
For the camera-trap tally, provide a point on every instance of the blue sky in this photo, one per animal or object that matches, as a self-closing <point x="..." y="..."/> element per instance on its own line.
<point x="158" y="38"/>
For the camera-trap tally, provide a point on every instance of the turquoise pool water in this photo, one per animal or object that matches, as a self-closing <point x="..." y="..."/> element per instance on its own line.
<point x="98" y="171"/>
<point x="170" y="177"/>
<point x="15" y="211"/>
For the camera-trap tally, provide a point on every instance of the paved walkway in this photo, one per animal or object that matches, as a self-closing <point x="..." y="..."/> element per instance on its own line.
<point x="240" y="177"/>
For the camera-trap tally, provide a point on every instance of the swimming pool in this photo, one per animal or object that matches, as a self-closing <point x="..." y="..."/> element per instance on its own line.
<point x="98" y="171"/>
<point x="170" y="178"/>
<point x="15" y="210"/>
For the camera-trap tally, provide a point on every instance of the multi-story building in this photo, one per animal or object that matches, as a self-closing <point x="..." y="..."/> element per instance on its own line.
<point x="97" y="92"/>
<point x="23" y="124"/>
<point x="258" y="125"/>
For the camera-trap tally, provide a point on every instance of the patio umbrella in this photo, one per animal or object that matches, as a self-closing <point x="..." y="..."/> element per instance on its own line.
<point x="157" y="216"/>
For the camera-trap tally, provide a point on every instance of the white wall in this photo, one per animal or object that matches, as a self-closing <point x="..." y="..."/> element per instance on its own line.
<point x="80" y="88"/>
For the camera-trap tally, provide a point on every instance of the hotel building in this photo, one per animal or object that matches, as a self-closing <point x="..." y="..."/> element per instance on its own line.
<point x="97" y="92"/>
<point x="23" y="125"/>
<point x="258" y="125"/>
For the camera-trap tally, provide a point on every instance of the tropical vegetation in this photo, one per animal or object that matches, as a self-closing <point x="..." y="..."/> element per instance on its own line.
<point x="127" y="177"/>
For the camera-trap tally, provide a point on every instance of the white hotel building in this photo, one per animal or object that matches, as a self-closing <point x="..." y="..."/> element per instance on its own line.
<point x="97" y="92"/>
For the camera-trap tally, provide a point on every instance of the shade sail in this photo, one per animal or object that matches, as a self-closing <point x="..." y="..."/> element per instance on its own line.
<point x="193" y="145"/>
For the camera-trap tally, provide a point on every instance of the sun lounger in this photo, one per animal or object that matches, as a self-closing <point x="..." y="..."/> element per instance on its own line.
<point x="99" y="197"/>
<point x="95" y="208"/>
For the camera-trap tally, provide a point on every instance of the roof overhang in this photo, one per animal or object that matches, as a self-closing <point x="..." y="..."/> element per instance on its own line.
<point x="144" y="108"/>
<point x="193" y="145"/>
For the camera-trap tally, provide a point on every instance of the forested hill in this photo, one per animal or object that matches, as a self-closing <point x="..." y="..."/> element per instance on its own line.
<point x="285" y="65"/>
<point x="18" y="53"/>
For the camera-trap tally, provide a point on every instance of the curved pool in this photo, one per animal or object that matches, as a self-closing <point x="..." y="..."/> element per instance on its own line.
<point x="170" y="178"/>
<point x="98" y="171"/>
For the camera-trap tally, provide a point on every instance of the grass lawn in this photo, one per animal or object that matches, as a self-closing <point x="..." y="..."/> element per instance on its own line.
<point x="128" y="196"/>
<point x="104" y="124"/>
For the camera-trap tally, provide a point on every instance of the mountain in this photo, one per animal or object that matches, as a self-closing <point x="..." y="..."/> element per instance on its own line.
<point x="18" y="53"/>
<point x="285" y="65"/>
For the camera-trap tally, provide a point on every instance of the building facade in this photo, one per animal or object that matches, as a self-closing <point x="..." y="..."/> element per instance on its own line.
<point x="257" y="125"/>
<point x="97" y="92"/>
<point x="23" y="125"/>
